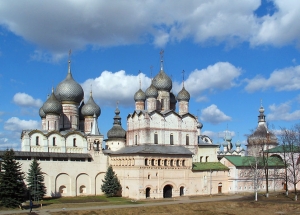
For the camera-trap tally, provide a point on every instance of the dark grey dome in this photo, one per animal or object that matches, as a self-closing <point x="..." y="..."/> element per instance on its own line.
<point x="116" y="131"/>
<point x="238" y="144"/>
<point x="52" y="105"/>
<point x="172" y="98"/>
<point x="42" y="113"/>
<point x="151" y="92"/>
<point x="69" y="90"/>
<point x="183" y="95"/>
<point x="91" y="108"/>
<point x="262" y="136"/>
<point x="162" y="81"/>
<point x="140" y="95"/>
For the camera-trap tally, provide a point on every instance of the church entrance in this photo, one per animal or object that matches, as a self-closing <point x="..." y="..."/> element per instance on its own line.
<point x="148" y="192"/>
<point x="168" y="191"/>
<point x="220" y="188"/>
<point x="181" y="191"/>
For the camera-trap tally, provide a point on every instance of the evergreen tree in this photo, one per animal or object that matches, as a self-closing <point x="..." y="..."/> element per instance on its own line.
<point x="35" y="181"/>
<point x="12" y="187"/>
<point x="111" y="185"/>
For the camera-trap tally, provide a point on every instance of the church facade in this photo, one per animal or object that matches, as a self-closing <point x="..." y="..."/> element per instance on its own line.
<point x="161" y="154"/>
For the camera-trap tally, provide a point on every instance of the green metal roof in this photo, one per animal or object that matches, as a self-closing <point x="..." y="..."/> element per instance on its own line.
<point x="282" y="149"/>
<point x="197" y="166"/>
<point x="247" y="161"/>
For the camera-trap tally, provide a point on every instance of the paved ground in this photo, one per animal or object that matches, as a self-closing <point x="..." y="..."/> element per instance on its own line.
<point x="184" y="200"/>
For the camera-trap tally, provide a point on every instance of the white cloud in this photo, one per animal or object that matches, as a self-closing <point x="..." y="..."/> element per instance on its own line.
<point x="25" y="100"/>
<point x="220" y="76"/>
<point x="286" y="79"/>
<point x="101" y="23"/>
<point x="16" y="124"/>
<point x="280" y="28"/>
<point x="213" y="115"/>
<point x="111" y="87"/>
<point x="282" y="112"/>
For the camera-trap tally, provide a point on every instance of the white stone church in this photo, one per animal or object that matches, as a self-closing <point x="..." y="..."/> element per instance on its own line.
<point x="162" y="153"/>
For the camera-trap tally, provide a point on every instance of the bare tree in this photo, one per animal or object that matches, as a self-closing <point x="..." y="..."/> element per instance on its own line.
<point x="256" y="170"/>
<point x="290" y="142"/>
<point x="259" y="141"/>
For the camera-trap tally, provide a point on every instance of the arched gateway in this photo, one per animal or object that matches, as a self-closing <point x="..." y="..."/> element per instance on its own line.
<point x="148" y="192"/>
<point x="168" y="191"/>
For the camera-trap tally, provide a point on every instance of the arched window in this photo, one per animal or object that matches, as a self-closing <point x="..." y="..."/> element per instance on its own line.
<point x="74" y="142"/>
<point x="146" y="162"/>
<point x="171" y="139"/>
<point x="48" y="125"/>
<point x="187" y="140"/>
<point x="37" y="143"/>
<point x="135" y="140"/>
<point x="206" y="159"/>
<point x="55" y="125"/>
<point x="201" y="157"/>
<point x="155" y="138"/>
<point x="183" y="163"/>
<point x="53" y="141"/>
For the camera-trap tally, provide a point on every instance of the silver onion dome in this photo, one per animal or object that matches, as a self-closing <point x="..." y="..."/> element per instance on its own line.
<point x="116" y="131"/>
<point x="151" y="92"/>
<point x="140" y="95"/>
<point x="199" y="125"/>
<point x="42" y="113"/>
<point x="69" y="90"/>
<point x="91" y="108"/>
<point x="162" y="81"/>
<point x="52" y="105"/>
<point x="183" y="95"/>
<point x="225" y="143"/>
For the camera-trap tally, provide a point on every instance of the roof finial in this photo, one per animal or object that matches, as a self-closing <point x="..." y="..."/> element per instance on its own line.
<point x="183" y="78"/>
<point x="91" y="90"/>
<point x="161" y="59"/>
<point x="151" y="67"/>
<point x="140" y="79"/>
<point x="117" y="104"/>
<point x="261" y="103"/>
<point x="69" y="70"/>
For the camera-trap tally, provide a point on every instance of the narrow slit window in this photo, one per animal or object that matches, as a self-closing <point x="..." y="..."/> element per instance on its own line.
<point x="155" y="138"/>
<point x="187" y="140"/>
<point x="171" y="139"/>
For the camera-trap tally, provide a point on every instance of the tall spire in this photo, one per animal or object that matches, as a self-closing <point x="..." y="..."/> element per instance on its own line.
<point x="261" y="117"/>
<point x="161" y="59"/>
<point x="69" y="66"/>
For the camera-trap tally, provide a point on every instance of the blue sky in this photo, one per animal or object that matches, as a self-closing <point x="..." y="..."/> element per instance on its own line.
<point x="234" y="54"/>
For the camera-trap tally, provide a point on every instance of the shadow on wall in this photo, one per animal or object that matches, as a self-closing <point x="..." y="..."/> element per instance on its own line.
<point x="55" y="194"/>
